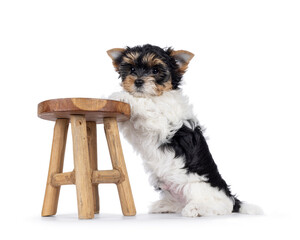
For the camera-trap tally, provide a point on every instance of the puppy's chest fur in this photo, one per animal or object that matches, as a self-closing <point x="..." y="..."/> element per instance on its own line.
<point x="154" y="122"/>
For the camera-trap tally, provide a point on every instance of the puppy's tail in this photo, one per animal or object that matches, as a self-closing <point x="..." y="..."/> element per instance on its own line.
<point x="247" y="208"/>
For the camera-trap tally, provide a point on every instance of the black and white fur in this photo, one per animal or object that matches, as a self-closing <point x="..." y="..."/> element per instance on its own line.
<point x="169" y="138"/>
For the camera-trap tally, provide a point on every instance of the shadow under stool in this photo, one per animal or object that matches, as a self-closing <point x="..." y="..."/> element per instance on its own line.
<point x="84" y="114"/>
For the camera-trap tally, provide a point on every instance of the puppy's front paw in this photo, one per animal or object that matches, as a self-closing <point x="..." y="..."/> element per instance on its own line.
<point x="120" y="96"/>
<point x="163" y="206"/>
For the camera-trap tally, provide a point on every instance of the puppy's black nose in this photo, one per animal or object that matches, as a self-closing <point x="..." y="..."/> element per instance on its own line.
<point x="138" y="82"/>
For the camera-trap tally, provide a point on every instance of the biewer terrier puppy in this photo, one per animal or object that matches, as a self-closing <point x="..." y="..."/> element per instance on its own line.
<point x="167" y="135"/>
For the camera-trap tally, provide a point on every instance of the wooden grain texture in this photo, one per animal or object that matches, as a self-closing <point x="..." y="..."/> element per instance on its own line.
<point x="106" y="176"/>
<point x="92" y="144"/>
<point x="93" y="109"/>
<point x="65" y="178"/>
<point x="117" y="158"/>
<point x="82" y="167"/>
<point x="55" y="166"/>
<point x="102" y="176"/>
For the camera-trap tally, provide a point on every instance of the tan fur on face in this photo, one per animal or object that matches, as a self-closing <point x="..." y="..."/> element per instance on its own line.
<point x="131" y="57"/>
<point x="150" y="87"/>
<point x="160" y="89"/>
<point x="151" y="61"/>
<point x="128" y="83"/>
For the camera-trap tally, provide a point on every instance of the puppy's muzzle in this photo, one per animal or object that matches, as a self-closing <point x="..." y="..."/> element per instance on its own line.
<point x="139" y="82"/>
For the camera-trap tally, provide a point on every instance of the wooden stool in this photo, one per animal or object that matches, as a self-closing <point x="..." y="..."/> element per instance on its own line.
<point x="84" y="114"/>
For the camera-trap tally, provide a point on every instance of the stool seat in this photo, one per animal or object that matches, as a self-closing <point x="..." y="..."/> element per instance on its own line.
<point x="92" y="108"/>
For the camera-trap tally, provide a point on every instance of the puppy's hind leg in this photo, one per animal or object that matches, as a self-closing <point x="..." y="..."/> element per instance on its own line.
<point x="205" y="200"/>
<point x="167" y="204"/>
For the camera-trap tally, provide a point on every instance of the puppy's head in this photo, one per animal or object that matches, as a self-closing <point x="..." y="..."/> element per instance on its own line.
<point x="150" y="70"/>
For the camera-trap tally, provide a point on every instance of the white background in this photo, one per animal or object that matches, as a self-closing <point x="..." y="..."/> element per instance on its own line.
<point x="243" y="83"/>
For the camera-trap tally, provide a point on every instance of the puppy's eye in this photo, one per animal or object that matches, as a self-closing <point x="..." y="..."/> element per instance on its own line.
<point x="132" y="70"/>
<point x="155" y="70"/>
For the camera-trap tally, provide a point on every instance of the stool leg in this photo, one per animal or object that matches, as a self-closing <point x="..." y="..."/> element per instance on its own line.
<point x="92" y="143"/>
<point x="82" y="167"/>
<point x="117" y="158"/>
<point x="56" y="166"/>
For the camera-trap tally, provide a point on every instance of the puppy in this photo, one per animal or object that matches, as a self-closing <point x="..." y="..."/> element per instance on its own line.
<point x="167" y="135"/>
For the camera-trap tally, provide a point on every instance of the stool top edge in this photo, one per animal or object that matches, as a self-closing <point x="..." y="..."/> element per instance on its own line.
<point x="97" y="108"/>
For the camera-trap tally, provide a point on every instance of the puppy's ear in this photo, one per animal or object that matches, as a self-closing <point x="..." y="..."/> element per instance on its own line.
<point x="115" y="55"/>
<point x="182" y="58"/>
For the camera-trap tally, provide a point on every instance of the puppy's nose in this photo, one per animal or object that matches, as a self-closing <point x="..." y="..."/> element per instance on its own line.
<point x="138" y="82"/>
